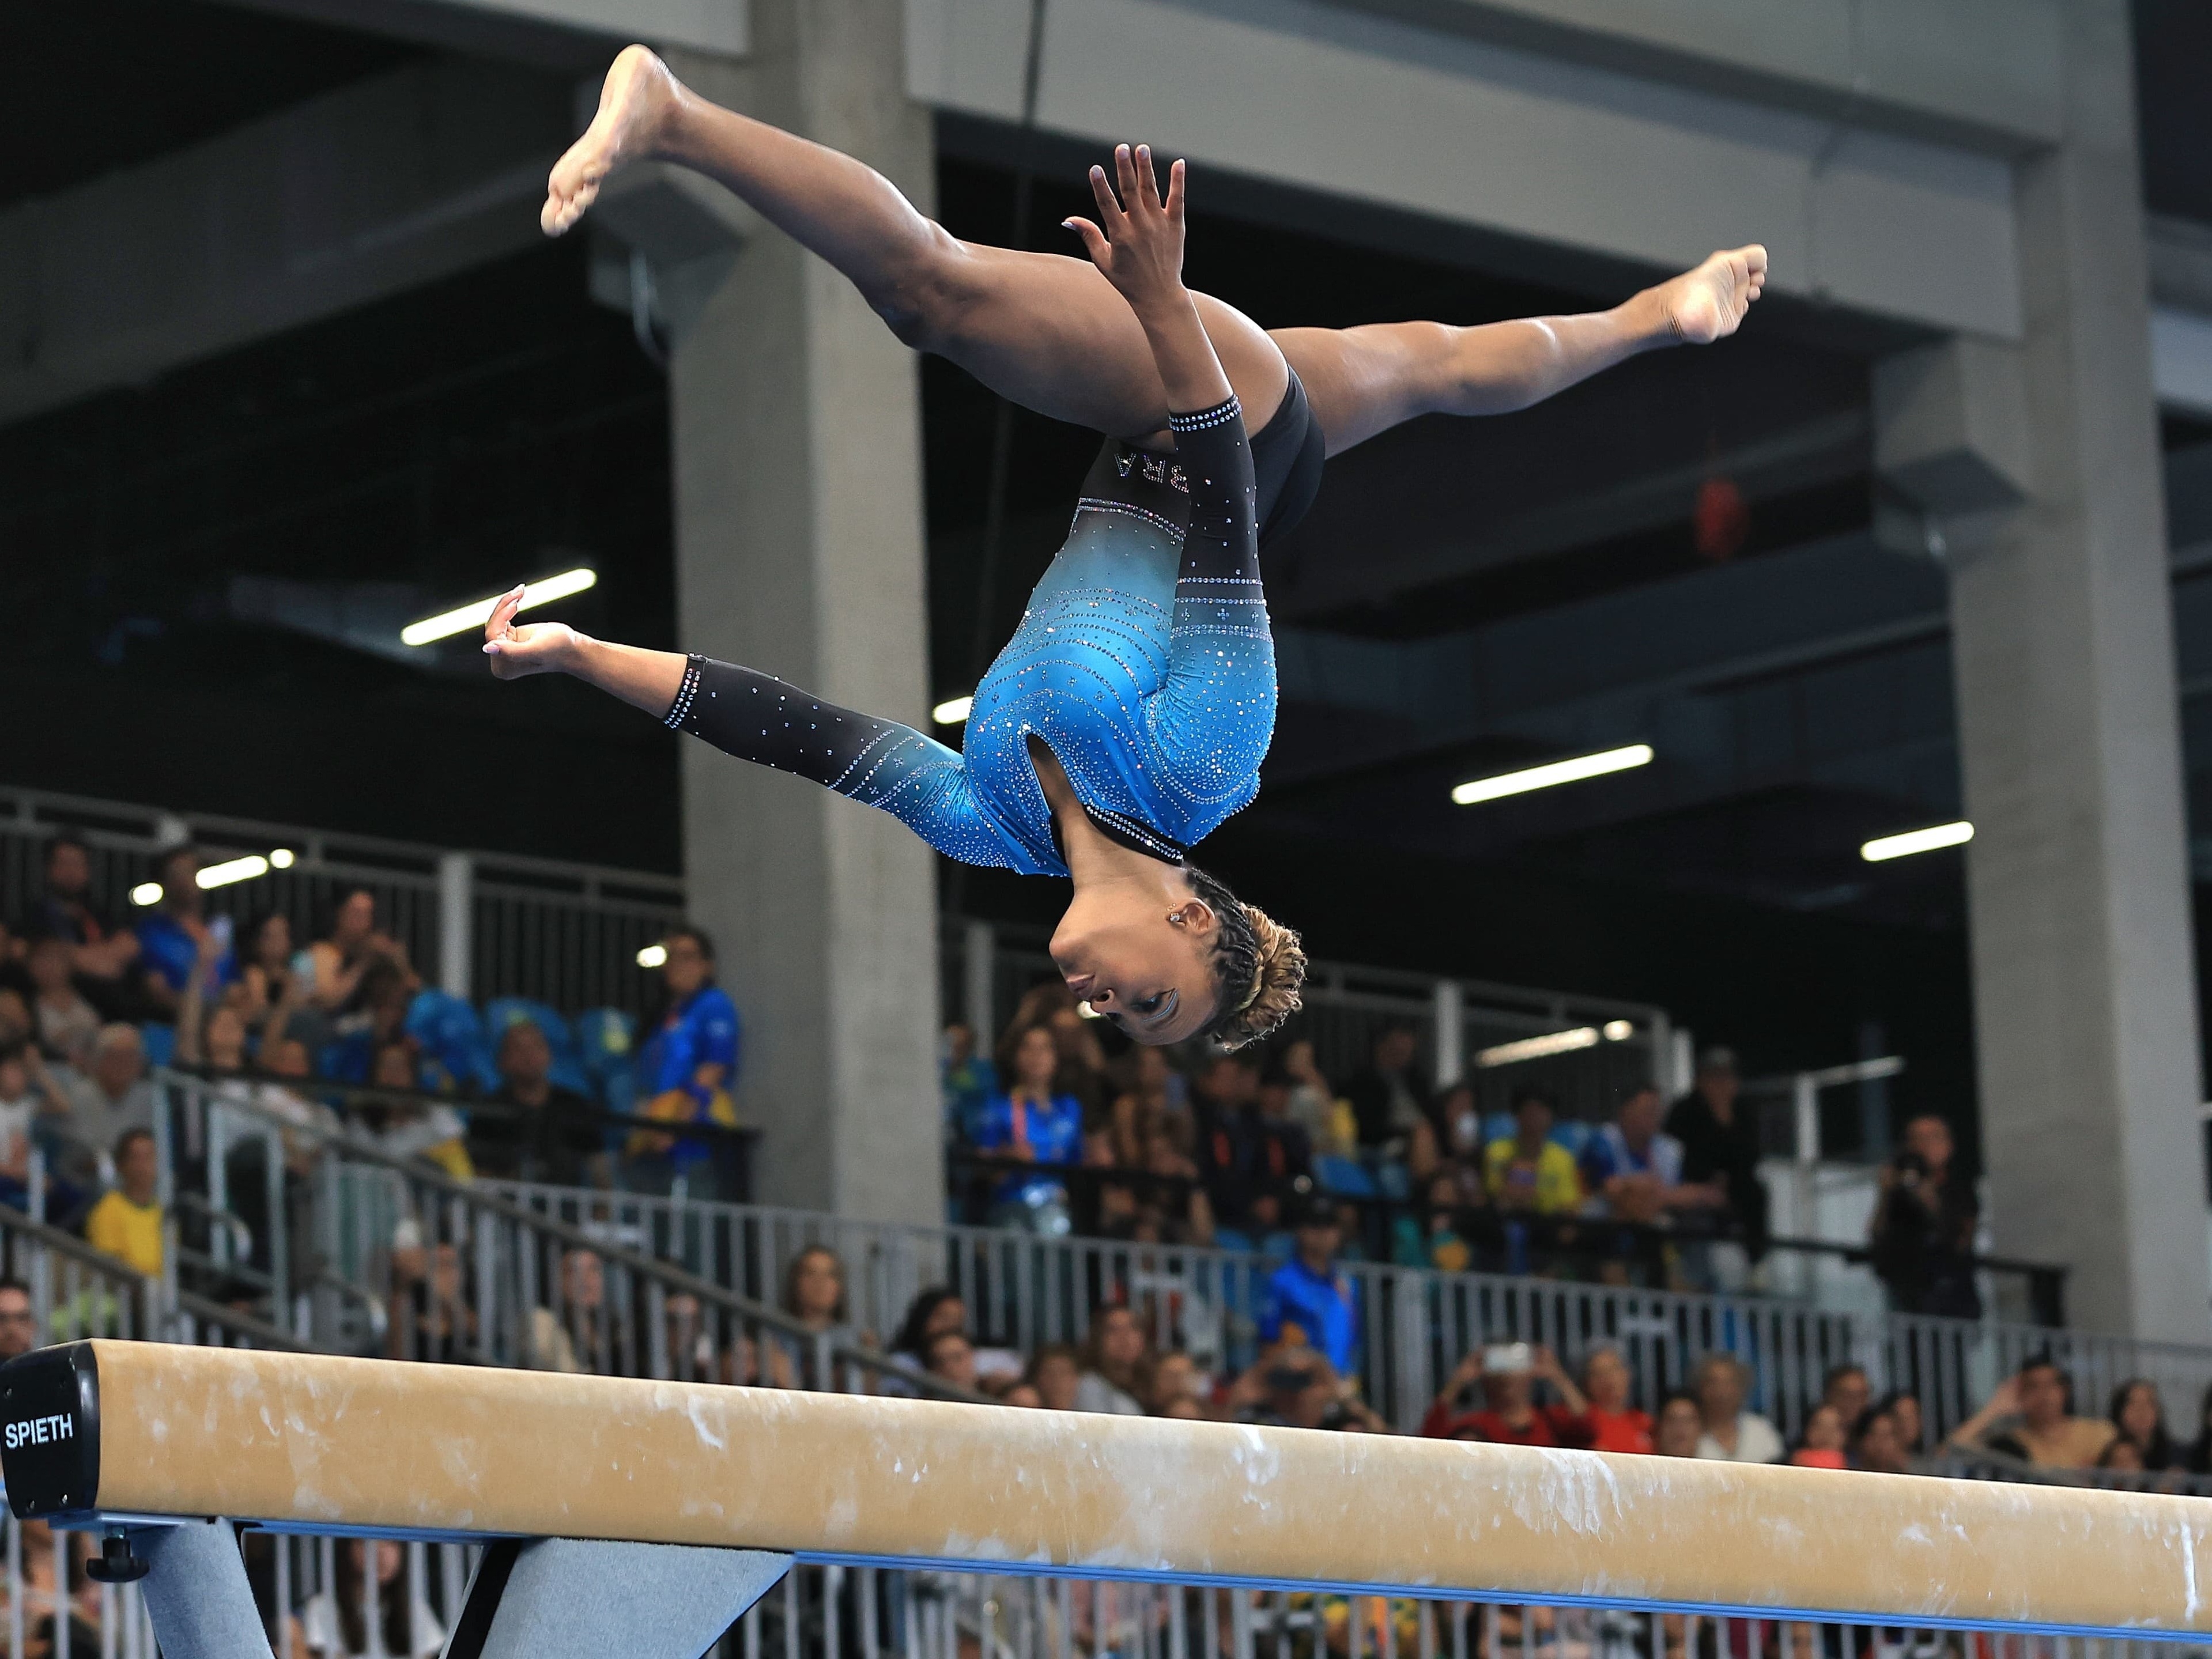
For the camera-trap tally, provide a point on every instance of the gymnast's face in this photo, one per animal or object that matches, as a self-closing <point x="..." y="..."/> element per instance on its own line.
<point x="1144" y="963"/>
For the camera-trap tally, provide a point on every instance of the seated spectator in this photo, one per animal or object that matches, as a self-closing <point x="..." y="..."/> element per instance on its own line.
<point x="1720" y="1147"/>
<point x="1680" y="1425"/>
<point x="1082" y="1072"/>
<point x="2123" y="1456"/>
<point x="1922" y="1236"/>
<point x="28" y="1092"/>
<point x="14" y="976"/>
<point x="1055" y="1371"/>
<point x="687" y="1069"/>
<point x="964" y="1081"/>
<point x="272" y="977"/>
<point x="1115" y="1363"/>
<point x="1387" y="1096"/>
<point x="1731" y="1433"/>
<point x="1820" y="1444"/>
<point x="585" y="1334"/>
<point x="409" y="1128"/>
<point x="1443" y="1233"/>
<point x="1847" y="1389"/>
<point x="67" y="908"/>
<point x="534" y="1131"/>
<point x="1313" y="1106"/>
<point x="1023" y="1395"/>
<point x="814" y="1295"/>
<point x="1876" y="1445"/>
<point x="430" y="1319"/>
<point x="65" y="1023"/>
<point x="1635" y="1168"/>
<point x="1281" y="1151"/>
<point x="18" y="1320"/>
<point x="1609" y="1423"/>
<point x="334" y="965"/>
<point x="1311" y="1300"/>
<point x="17" y="1023"/>
<point x="173" y="935"/>
<point x="951" y="1358"/>
<point x="1175" y="1376"/>
<point x="1532" y="1173"/>
<point x="375" y="1017"/>
<point x="1903" y="1410"/>
<point x="1449" y="1141"/>
<point x="1031" y="1123"/>
<point x="1222" y="1104"/>
<point x="2197" y="1460"/>
<point x="2030" y="1416"/>
<point x="126" y="1223"/>
<point x="1297" y="1387"/>
<point x="1492" y="1395"/>
<point x="335" y="1622"/>
<point x="111" y="1096"/>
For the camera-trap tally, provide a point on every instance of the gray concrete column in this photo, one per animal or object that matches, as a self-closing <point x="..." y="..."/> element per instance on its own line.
<point x="796" y="422"/>
<point x="2084" y="979"/>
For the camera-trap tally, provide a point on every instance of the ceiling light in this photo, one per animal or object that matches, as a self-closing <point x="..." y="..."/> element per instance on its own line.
<point x="952" y="710"/>
<point x="1619" y="1030"/>
<point x="281" y="858"/>
<point x="653" y="956"/>
<point x="1544" y="777"/>
<point x="449" y="622"/>
<point x="232" y="870"/>
<point x="1916" y="841"/>
<point x="1536" y="1047"/>
<point x="146" y="893"/>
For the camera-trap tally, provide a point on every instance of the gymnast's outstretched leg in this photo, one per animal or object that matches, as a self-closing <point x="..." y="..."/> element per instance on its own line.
<point x="1047" y="332"/>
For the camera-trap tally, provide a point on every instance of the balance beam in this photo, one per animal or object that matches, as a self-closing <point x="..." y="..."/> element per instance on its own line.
<point x="102" y="1432"/>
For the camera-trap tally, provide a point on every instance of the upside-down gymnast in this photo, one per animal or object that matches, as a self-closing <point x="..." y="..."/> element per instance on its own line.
<point x="1127" y="716"/>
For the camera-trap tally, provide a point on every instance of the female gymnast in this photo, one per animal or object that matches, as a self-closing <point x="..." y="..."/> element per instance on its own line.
<point x="1127" y="716"/>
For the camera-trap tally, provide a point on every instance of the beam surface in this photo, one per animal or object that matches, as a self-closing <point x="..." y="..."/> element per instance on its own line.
<point x="311" y="1443"/>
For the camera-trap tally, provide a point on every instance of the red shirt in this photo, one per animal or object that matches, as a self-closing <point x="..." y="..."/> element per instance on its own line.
<point x="1547" y="1425"/>
<point x="1626" y="1430"/>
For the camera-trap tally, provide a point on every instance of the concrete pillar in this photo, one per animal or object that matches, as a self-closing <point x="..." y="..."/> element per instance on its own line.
<point x="796" y="431"/>
<point x="2062" y="643"/>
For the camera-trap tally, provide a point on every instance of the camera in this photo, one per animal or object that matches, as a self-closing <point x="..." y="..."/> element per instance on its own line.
<point x="1912" y="1169"/>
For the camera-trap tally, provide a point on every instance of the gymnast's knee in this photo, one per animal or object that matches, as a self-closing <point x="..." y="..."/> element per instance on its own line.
<point x="921" y="296"/>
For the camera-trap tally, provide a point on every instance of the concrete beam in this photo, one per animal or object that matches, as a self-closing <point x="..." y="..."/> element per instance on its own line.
<point x="377" y="188"/>
<point x="1470" y="132"/>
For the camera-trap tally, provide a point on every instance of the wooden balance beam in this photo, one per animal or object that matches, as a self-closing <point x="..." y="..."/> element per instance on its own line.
<point x="98" y="1433"/>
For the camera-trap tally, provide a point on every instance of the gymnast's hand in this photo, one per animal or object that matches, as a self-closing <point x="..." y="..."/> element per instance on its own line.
<point x="532" y="647"/>
<point x="1140" y="247"/>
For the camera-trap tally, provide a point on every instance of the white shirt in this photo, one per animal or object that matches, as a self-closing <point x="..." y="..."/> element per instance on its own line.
<point x="1757" y="1441"/>
<point x="15" y="1127"/>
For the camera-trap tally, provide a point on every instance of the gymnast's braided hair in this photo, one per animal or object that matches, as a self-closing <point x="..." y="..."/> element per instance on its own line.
<point x="1258" y="966"/>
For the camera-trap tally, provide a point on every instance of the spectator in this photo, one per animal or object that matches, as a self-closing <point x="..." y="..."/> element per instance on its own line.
<point x="1175" y="1377"/>
<point x="814" y="1294"/>
<point x="1082" y="1072"/>
<point x="535" y="1131"/>
<point x="430" y="1319"/>
<point x="334" y="965"/>
<point x="1313" y="1103"/>
<point x="1297" y="1387"/>
<point x="1532" y="1172"/>
<point x="126" y="1223"/>
<point x="14" y="976"/>
<point x="1115" y="1363"/>
<point x="67" y="908"/>
<point x="1903" y="1411"/>
<point x="1442" y="1236"/>
<point x="18" y="1320"/>
<point x="1720" y="1148"/>
<point x="688" y="1067"/>
<point x="2123" y="1456"/>
<point x="1022" y="1394"/>
<point x="16" y="1023"/>
<point x="1386" y="1098"/>
<point x="584" y="1334"/>
<point x="28" y="1093"/>
<point x="1031" y="1123"/>
<point x="1609" y="1423"/>
<point x="47" y="1601"/>
<point x="111" y="1097"/>
<point x="1877" y="1446"/>
<point x="1503" y="1378"/>
<point x="1922" y="1232"/>
<point x="1226" y="1095"/>
<point x="2139" y="1415"/>
<point x="1680" y="1425"/>
<point x="409" y="1128"/>
<point x="1055" y="1371"/>
<point x="176" y="933"/>
<point x="1846" y="1387"/>
<point x="951" y="1358"/>
<point x="2198" y="1459"/>
<point x="1731" y="1433"/>
<point x="65" y="1022"/>
<point x="2030" y="1416"/>
<point x="931" y="1311"/>
<point x="1821" y="1446"/>
<point x="964" y="1079"/>
<point x="1449" y="1141"/>
<point x="1636" y="1167"/>
<point x="272" y="974"/>
<point x="1278" y="1157"/>
<point x="334" y="1624"/>
<point x="1309" y="1299"/>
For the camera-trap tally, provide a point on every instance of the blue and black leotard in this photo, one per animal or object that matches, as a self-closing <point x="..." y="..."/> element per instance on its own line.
<point x="1143" y="662"/>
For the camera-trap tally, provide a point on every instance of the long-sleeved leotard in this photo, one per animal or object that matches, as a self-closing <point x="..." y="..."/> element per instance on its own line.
<point x="1143" y="661"/>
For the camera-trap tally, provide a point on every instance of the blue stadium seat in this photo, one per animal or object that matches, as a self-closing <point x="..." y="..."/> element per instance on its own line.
<point x="606" y="1044"/>
<point x="1498" y="1126"/>
<point x="1575" y="1135"/>
<point x="1347" y="1177"/>
<point x="160" y="1041"/>
<point x="452" y="1037"/>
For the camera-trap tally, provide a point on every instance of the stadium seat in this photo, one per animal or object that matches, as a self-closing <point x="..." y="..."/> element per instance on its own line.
<point x="451" y="1038"/>
<point x="1347" y="1177"/>
<point x="606" y="1045"/>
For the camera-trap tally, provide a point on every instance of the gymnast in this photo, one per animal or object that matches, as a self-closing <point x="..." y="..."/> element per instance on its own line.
<point x="1128" y="715"/>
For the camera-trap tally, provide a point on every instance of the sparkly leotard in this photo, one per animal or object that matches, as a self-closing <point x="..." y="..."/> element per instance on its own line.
<point x="1143" y="662"/>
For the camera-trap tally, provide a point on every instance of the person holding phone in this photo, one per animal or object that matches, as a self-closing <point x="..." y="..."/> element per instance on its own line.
<point x="1492" y="1396"/>
<point x="171" y="938"/>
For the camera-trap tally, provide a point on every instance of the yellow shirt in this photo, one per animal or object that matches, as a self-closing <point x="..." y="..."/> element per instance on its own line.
<point x="1558" y="1183"/>
<point x="132" y="1231"/>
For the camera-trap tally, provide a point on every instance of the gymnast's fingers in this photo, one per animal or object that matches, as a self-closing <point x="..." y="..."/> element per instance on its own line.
<point x="1176" y="172"/>
<point x="1125" y="171"/>
<point x="1110" y="211"/>
<point x="502" y="613"/>
<point x="1148" y="182"/>
<point x="1094" y="239"/>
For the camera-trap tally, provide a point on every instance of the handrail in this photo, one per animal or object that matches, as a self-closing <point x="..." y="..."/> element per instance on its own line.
<point x="671" y="1276"/>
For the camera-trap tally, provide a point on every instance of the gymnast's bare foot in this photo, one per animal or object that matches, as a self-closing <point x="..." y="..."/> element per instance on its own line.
<point x="634" y="105"/>
<point x="1704" y="305"/>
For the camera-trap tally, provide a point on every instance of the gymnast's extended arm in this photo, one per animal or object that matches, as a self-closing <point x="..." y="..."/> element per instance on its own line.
<point x="759" y="717"/>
